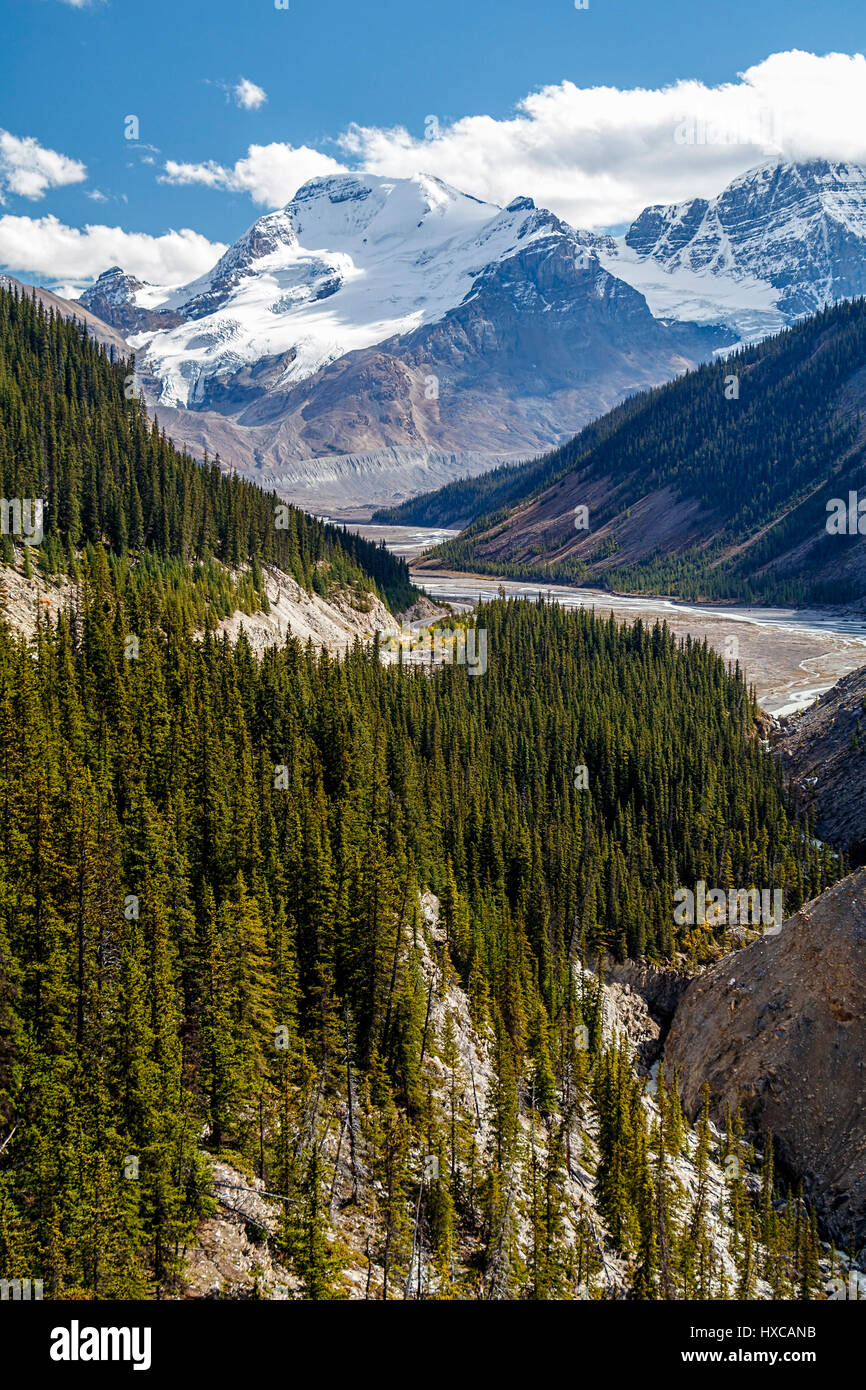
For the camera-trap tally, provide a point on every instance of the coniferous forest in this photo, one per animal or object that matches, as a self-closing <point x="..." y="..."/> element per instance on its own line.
<point x="215" y="877"/>
<point x="756" y="441"/>
<point x="74" y="433"/>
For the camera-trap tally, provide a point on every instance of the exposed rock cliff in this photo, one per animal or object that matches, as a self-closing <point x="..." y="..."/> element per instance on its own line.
<point x="780" y="1027"/>
<point x="823" y="754"/>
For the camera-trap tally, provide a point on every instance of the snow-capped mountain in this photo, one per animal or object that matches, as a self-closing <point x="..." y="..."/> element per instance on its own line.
<point x="374" y="315"/>
<point x="351" y="261"/>
<point x="377" y="336"/>
<point x="126" y="303"/>
<point x="780" y="241"/>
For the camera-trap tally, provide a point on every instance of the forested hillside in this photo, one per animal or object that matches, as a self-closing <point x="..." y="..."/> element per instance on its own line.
<point x="212" y="873"/>
<point x="715" y="486"/>
<point x="209" y="919"/>
<point x="73" y="434"/>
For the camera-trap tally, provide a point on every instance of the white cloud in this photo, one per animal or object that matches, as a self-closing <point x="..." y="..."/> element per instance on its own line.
<point x="45" y="247"/>
<point x="271" y="174"/>
<point x="249" y="96"/>
<point x="28" y="169"/>
<point x="598" y="155"/>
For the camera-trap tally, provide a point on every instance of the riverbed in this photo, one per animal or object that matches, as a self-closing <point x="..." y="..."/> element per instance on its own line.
<point x="791" y="656"/>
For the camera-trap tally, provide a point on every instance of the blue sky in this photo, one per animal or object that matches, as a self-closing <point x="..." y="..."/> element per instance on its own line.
<point x="70" y="75"/>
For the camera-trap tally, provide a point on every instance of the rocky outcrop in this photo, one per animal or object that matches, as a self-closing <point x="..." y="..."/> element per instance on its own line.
<point x="25" y="602"/>
<point x="780" y="1029"/>
<point x="232" y="1254"/>
<point x="660" y="986"/>
<point x="627" y="1015"/>
<point x="334" y="623"/>
<point x="112" y="298"/>
<point x="823" y="754"/>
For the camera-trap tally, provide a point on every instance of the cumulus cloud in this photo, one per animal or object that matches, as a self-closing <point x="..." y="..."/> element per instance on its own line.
<point x="29" y="170"/>
<point x="270" y="174"/>
<point x="598" y="155"/>
<point x="47" y="248"/>
<point x="248" y="96"/>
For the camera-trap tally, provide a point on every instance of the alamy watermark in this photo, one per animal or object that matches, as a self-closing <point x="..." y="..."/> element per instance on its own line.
<point x="761" y="128"/>
<point x="737" y="906"/>
<point x="77" y="1343"/>
<point x="846" y="519"/>
<point x="20" y="1289"/>
<point x="441" y="646"/>
<point x="22" y="517"/>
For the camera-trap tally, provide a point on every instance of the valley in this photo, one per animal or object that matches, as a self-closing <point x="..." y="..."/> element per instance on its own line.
<point x="327" y="977"/>
<point x="791" y="656"/>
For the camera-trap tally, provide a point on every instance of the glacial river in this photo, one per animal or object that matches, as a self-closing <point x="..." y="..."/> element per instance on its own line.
<point x="790" y="655"/>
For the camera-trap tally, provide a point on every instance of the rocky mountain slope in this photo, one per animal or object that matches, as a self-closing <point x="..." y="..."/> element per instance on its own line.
<point x="780" y="1028"/>
<point x="236" y="1252"/>
<point x="823" y="753"/>
<point x="334" y="622"/>
<point x="782" y="240"/>
<point x="372" y="315"/>
<point x="723" y="484"/>
<point x="347" y="485"/>
<point x="124" y="302"/>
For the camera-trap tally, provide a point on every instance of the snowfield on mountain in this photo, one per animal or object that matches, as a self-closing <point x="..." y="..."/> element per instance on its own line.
<point x="349" y="262"/>
<point x="782" y="240"/>
<point x="377" y="337"/>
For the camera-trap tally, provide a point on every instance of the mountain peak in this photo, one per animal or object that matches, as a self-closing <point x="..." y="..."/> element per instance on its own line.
<point x="117" y="276"/>
<point x="113" y="287"/>
<point x="336" y="187"/>
<point x="783" y="239"/>
<point x="388" y="254"/>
